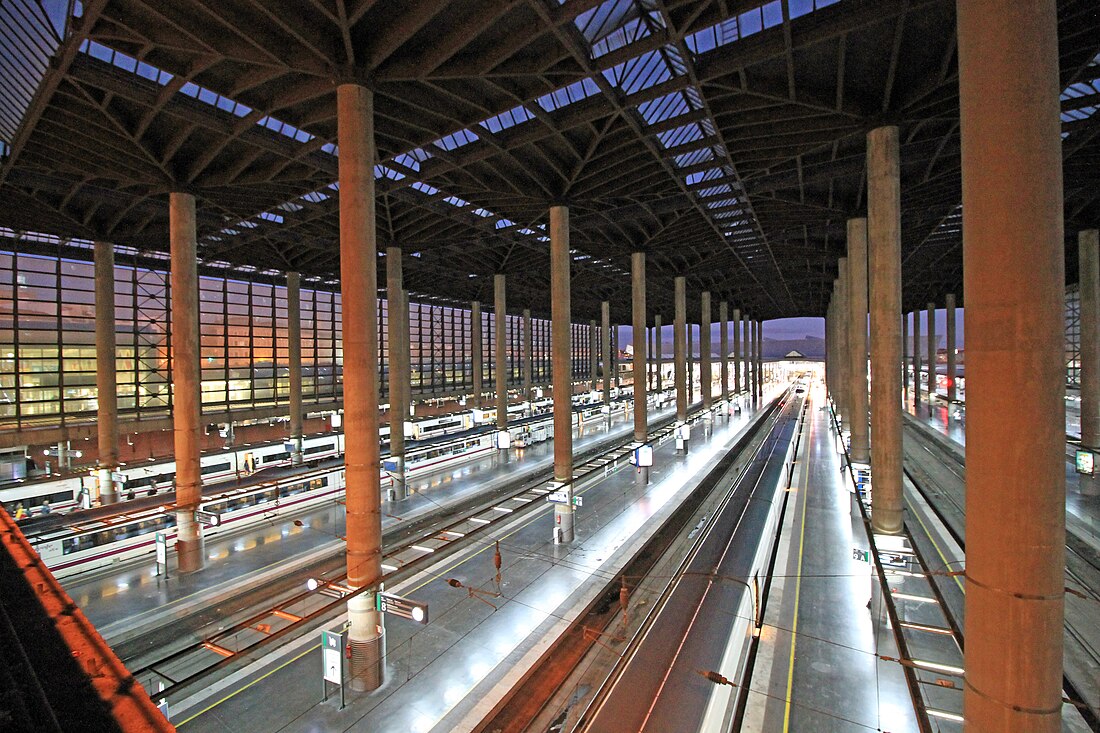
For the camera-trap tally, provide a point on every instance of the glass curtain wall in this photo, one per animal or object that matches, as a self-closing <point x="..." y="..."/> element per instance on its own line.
<point x="47" y="338"/>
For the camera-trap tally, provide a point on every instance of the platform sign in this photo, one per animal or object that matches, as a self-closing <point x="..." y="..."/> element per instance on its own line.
<point x="642" y="456"/>
<point x="402" y="607"/>
<point x="162" y="548"/>
<point x="332" y="656"/>
<point x="558" y="497"/>
<point x="861" y="555"/>
<point x="210" y="519"/>
<point x="1085" y="462"/>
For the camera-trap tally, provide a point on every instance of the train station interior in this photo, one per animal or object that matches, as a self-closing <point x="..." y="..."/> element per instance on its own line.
<point x="560" y="366"/>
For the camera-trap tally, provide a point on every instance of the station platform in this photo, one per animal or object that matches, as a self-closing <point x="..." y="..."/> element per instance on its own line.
<point x="447" y="675"/>
<point x="1082" y="512"/>
<point x="818" y="666"/>
<point x="124" y="601"/>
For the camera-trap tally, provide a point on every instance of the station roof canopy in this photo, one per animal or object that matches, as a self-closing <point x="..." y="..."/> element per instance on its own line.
<point x="725" y="138"/>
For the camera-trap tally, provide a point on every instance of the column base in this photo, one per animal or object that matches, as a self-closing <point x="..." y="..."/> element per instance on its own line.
<point x="108" y="492"/>
<point x="367" y="639"/>
<point x="1088" y="485"/>
<point x="563" y="524"/>
<point x="641" y="476"/>
<point x="190" y="556"/>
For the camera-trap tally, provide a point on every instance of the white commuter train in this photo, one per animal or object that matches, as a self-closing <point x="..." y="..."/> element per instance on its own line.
<point x="97" y="543"/>
<point x="149" y="478"/>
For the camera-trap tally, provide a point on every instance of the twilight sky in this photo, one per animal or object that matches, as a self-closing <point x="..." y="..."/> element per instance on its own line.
<point x="790" y="329"/>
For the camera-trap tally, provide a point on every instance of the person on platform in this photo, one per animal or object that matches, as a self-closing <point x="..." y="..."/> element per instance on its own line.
<point x="45" y="508"/>
<point x="20" y="512"/>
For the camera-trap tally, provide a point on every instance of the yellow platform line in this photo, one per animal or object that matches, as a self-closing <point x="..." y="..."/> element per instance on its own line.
<point x="798" y="580"/>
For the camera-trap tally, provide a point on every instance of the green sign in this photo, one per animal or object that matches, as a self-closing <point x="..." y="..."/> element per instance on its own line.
<point x="1086" y="461"/>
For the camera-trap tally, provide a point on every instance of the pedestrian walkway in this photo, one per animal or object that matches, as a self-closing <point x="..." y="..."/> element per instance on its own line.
<point x="818" y="667"/>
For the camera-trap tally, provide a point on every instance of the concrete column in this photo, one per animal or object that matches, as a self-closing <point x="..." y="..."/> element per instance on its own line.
<point x="294" y="362"/>
<point x="952" y="346"/>
<point x="843" y="382"/>
<point x="747" y="327"/>
<point x="605" y="351"/>
<point x="359" y="292"/>
<point x="706" y="386"/>
<point x="679" y="346"/>
<point x="724" y="348"/>
<point x="759" y="343"/>
<point x="399" y="376"/>
<point x="931" y="381"/>
<point x="916" y="360"/>
<point x="637" y="289"/>
<point x="657" y="354"/>
<point x="857" y="339"/>
<point x="476" y="357"/>
<point x="736" y="351"/>
<point x="689" y="353"/>
<point x="561" y="358"/>
<point x="649" y="354"/>
<point x="594" y="352"/>
<point x="884" y="268"/>
<point x="1088" y="270"/>
<point x="528" y="354"/>
<point x="1013" y="278"/>
<point x="904" y="356"/>
<point x="500" y="350"/>
<point x="408" y="408"/>
<point x="186" y="380"/>
<point x="106" y="377"/>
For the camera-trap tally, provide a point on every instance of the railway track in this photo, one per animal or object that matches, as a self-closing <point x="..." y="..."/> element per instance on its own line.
<point x="942" y="486"/>
<point x="268" y="621"/>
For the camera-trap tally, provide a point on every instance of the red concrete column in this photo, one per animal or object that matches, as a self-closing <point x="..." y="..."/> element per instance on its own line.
<point x="294" y="361"/>
<point x="706" y="386"/>
<point x="884" y="275"/>
<point x="736" y="351"/>
<point x="106" y="371"/>
<point x="724" y="348"/>
<point x="658" y="359"/>
<point x="593" y="353"/>
<point x="608" y="361"/>
<point x="500" y="351"/>
<point x="1088" y="271"/>
<point x="747" y="324"/>
<point x="186" y="381"/>
<point x="905" y="356"/>
<point x="759" y="343"/>
<point x="561" y="358"/>
<point x="916" y="359"/>
<point x="528" y="343"/>
<point x="679" y="346"/>
<point x="477" y="365"/>
<point x="688" y="354"/>
<point x="952" y="346"/>
<point x="399" y="377"/>
<point x="359" y="292"/>
<point x="638" y="312"/>
<point x="931" y="379"/>
<point x="843" y="382"/>
<point x="1013" y="280"/>
<point x="857" y="340"/>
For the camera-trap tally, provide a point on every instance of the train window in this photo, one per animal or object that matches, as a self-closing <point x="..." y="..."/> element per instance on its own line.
<point x="215" y="468"/>
<point x="319" y="448"/>
<point x="275" y="457"/>
<point x="143" y="481"/>
<point x="60" y="497"/>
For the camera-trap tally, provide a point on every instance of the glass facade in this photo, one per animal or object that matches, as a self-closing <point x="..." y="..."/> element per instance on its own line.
<point x="47" y="338"/>
<point x="1073" y="336"/>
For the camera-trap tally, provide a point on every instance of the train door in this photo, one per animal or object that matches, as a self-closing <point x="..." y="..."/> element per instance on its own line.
<point x="249" y="463"/>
